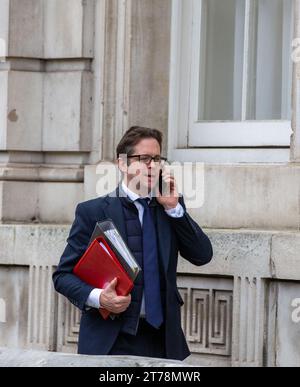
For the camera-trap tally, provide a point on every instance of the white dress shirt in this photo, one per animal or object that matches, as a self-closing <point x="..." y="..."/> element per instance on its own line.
<point x="93" y="300"/>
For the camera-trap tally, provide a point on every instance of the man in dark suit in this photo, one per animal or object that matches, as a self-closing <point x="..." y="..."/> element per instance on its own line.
<point x="156" y="227"/>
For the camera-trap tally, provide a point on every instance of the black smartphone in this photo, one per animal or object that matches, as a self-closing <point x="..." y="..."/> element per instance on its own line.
<point x="160" y="182"/>
<point x="162" y="186"/>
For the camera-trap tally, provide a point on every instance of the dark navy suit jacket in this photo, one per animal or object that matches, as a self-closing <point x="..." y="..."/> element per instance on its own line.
<point x="183" y="235"/>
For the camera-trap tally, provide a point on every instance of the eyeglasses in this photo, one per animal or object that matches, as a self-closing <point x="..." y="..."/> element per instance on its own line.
<point x="146" y="159"/>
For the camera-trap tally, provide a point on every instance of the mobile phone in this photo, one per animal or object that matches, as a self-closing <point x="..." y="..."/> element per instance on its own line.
<point x="162" y="186"/>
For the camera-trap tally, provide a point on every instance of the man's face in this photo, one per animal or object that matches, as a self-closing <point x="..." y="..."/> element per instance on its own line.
<point x="142" y="176"/>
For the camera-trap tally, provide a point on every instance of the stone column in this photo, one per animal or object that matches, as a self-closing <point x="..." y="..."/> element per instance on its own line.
<point x="150" y="64"/>
<point x="248" y="321"/>
<point x="136" y="61"/>
<point x="46" y="96"/>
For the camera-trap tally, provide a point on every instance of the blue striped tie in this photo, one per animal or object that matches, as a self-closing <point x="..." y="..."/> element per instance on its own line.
<point x="154" y="313"/>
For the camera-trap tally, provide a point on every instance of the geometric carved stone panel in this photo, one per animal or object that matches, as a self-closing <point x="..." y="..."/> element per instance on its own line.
<point x="206" y="315"/>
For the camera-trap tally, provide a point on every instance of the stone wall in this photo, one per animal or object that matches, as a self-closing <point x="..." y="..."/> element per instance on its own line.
<point x="77" y="74"/>
<point x="238" y="309"/>
<point x="46" y="107"/>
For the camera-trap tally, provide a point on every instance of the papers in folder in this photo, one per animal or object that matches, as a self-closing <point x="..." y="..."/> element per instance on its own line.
<point x="108" y="230"/>
<point x="107" y="257"/>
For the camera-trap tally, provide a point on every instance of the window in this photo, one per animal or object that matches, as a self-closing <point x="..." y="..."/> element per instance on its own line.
<point x="231" y="73"/>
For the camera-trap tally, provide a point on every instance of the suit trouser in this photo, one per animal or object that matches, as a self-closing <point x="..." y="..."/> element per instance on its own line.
<point x="148" y="342"/>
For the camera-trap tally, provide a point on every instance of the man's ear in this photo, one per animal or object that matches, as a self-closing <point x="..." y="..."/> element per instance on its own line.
<point x="122" y="164"/>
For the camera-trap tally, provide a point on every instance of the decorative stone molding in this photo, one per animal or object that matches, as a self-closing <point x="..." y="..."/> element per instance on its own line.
<point x="207" y="314"/>
<point x="41" y="314"/>
<point x="68" y="321"/>
<point x="248" y="321"/>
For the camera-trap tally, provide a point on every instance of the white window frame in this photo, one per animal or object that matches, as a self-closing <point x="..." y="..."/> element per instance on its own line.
<point x="236" y="141"/>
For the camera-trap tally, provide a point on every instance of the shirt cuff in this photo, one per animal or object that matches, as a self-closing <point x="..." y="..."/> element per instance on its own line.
<point x="176" y="212"/>
<point x="93" y="300"/>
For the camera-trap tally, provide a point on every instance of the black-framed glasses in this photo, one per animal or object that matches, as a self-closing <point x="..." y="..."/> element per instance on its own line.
<point x="146" y="159"/>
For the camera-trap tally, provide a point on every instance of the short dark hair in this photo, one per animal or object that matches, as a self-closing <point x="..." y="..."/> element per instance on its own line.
<point x="134" y="135"/>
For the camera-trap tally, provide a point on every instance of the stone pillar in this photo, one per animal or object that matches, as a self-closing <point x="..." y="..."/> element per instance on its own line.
<point x="46" y="97"/>
<point x="248" y="322"/>
<point x="295" y="143"/>
<point x="150" y="64"/>
<point x="136" y="61"/>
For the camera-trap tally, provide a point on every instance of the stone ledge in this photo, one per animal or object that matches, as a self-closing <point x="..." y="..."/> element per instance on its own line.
<point x="42" y="173"/>
<point x="30" y="358"/>
<point x="46" y="65"/>
<point x="253" y="253"/>
<point x="246" y="196"/>
<point x="46" y="201"/>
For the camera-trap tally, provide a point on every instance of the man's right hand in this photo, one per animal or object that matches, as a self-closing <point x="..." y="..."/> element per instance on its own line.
<point x="110" y="301"/>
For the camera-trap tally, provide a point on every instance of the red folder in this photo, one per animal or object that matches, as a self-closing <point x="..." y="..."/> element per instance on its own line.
<point x="97" y="267"/>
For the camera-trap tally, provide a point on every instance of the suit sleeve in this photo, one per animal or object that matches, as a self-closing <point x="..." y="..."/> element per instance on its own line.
<point x="65" y="282"/>
<point x="194" y="245"/>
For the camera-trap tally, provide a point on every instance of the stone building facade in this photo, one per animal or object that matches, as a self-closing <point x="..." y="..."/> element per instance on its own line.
<point x="74" y="75"/>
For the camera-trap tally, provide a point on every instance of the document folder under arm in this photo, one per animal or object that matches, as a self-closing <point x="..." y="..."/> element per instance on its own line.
<point x="110" y="233"/>
<point x="106" y="258"/>
<point x="99" y="266"/>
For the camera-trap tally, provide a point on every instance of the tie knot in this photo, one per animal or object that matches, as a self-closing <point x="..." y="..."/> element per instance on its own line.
<point x="144" y="202"/>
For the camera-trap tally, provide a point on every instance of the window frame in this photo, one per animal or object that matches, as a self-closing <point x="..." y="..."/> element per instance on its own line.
<point x="185" y="130"/>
